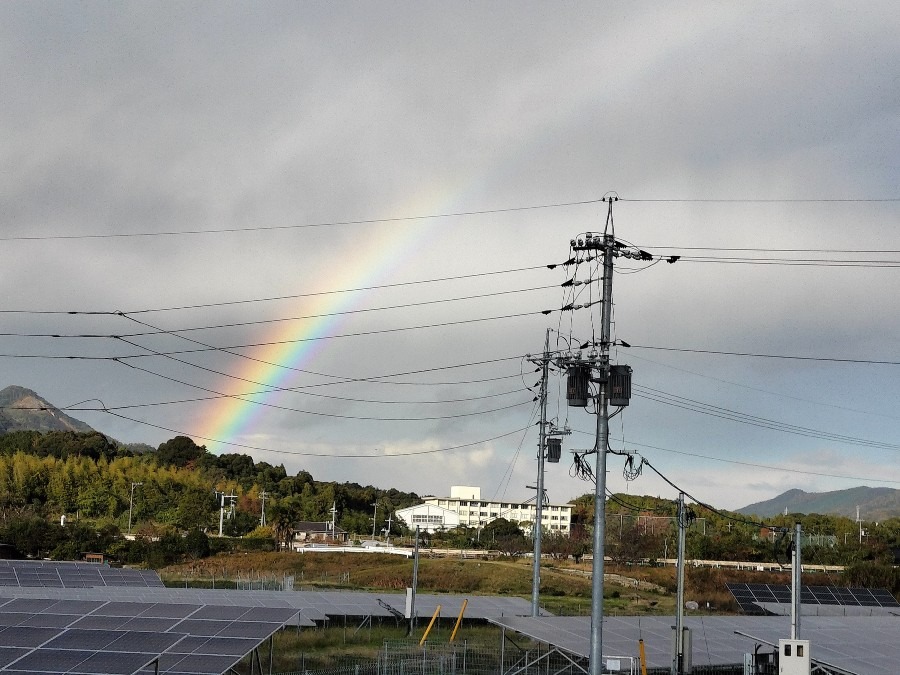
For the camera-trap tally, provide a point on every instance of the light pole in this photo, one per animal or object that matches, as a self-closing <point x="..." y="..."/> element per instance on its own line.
<point x="131" y="504"/>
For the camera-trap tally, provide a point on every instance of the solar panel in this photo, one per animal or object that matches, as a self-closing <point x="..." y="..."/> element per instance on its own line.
<point x="758" y="598"/>
<point x="858" y="644"/>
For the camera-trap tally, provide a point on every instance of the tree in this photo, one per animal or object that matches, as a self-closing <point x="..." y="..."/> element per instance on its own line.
<point x="179" y="451"/>
<point x="196" y="544"/>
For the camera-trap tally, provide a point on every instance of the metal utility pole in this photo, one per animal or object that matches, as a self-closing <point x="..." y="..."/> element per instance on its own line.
<point x="537" y="527"/>
<point x="374" y="520"/>
<point x="131" y="504"/>
<point x="262" y="498"/>
<point x="678" y="655"/>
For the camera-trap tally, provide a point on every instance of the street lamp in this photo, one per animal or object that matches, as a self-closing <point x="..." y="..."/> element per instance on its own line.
<point x="131" y="504"/>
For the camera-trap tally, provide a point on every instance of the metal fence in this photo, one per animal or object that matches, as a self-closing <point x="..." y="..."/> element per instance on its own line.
<point x="409" y="658"/>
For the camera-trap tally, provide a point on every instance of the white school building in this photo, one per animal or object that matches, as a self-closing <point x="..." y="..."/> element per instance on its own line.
<point x="465" y="507"/>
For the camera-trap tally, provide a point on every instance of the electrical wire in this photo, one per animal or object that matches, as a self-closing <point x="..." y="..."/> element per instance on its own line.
<point x="244" y="399"/>
<point x="793" y="357"/>
<point x="277" y="297"/>
<point x="314" y="454"/>
<point x="268" y="228"/>
<point x="755" y="465"/>
<point x="752" y="420"/>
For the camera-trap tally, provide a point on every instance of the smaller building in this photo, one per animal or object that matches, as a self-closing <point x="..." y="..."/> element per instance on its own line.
<point x="305" y="532"/>
<point x="429" y="517"/>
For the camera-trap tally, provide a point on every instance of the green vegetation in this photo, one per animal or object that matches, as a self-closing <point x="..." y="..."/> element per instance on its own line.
<point x="91" y="479"/>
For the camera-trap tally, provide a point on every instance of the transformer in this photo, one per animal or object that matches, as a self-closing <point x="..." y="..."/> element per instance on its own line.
<point x="619" y="385"/>
<point x="578" y="386"/>
<point x="554" y="450"/>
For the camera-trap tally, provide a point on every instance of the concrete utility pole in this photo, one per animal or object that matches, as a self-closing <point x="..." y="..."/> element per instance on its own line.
<point x="796" y="570"/>
<point x="613" y="388"/>
<point x="374" y="520"/>
<point x="262" y="498"/>
<point x="387" y="532"/>
<point x="678" y="655"/>
<point x="601" y="444"/>
<point x="131" y="504"/>
<point x="223" y="496"/>
<point x="537" y="527"/>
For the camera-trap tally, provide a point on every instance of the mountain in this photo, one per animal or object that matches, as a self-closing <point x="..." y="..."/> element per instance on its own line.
<point x="23" y="410"/>
<point x="874" y="503"/>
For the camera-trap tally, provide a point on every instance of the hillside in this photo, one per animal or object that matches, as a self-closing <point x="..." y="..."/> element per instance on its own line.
<point x="874" y="503"/>
<point x="24" y="410"/>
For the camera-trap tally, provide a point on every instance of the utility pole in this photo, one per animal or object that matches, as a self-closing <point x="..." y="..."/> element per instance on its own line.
<point x="374" y="520"/>
<point x="613" y="388"/>
<point x="387" y="537"/>
<point x="796" y="570"/>
<point x="334" y="520"/>
<point x="537" y="527"/>
<point x="131" y="504"/>
<point x="415" y="585"/>
<point x="678" y="655"/>
<point x="262" y="498"/>
<point x="549" y="450"/>
<point x="223" y="496"/>
<point x="601" y="444"/>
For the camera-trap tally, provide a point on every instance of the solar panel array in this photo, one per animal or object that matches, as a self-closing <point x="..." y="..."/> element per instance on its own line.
<point x="868" y="645"/>
<point x="83" y="618"/>
<point x="313" y="606"/>
<point x="46" y="574"/>
<point x="116" y="638"/>
<point x="754" y="598"/>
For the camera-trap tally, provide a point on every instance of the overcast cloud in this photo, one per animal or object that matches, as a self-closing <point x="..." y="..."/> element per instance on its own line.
<point x="259" y="118"/>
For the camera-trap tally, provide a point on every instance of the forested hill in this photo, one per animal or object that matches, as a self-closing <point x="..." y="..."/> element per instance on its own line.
<point x="91" y="479"/>
<point x="873" y="503"/>
<point x="24" y="410"/>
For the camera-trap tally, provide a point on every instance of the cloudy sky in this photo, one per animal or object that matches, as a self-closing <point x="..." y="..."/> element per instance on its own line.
<point x="318" y="233"/>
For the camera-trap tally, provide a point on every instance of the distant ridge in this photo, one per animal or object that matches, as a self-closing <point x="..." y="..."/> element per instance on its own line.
<point x="874" y="503"/>
<point x="22" y="409"/>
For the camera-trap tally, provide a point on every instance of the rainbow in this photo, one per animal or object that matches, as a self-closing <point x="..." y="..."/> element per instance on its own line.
<point x="230" y="419"/>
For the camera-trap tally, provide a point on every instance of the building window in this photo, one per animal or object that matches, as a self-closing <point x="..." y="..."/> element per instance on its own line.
<point x="427" y="518"/>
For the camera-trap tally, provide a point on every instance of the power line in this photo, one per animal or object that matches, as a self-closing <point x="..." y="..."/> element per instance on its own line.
<point x="821" y="359"/>
<point x="755" y="465"/>
<point x="316" y="454"/>
<point x="752" y="420"/>
<point x="269" y="228"/>
<point x="241" y="324"/>
<point x="849" y="200"/>
<point x="273" y="343"/>
<point x="243" y="399"/>
<point x="765" y="391"/>
<point x="274" y="298"/>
